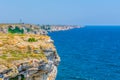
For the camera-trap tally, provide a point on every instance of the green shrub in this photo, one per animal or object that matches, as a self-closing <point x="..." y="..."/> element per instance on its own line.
<point x="16" y="78"/>
<point x="32" y="40"/>
<point x="16" y="30"/>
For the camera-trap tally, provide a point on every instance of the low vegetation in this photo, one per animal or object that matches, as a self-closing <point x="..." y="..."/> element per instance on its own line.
<point x="23" y="46"/>
<point x="15" y="30"/>
<point x="32" y="40"/>
<point x="16" y="78"/>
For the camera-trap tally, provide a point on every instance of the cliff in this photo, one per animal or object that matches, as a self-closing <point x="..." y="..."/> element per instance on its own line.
<point x="27" y="57"/>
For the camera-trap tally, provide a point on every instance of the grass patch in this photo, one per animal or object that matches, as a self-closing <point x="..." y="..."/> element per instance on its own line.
<point x="17" y="55"/>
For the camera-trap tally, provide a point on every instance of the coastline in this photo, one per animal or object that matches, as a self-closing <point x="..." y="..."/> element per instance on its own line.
<point x="35" y="40"/>
<point x="29" y="53"/>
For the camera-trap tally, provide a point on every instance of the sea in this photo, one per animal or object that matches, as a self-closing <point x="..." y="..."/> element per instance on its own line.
<point x="89" y="53"/>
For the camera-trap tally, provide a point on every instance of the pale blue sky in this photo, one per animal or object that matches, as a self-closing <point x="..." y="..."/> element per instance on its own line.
<point x="80" y="12"/>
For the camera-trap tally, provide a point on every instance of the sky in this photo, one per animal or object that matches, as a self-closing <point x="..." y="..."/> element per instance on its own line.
<point x="69" y="12"/>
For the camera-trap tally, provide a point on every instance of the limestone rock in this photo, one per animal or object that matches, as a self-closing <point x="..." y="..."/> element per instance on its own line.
<point x="19" y="58"/>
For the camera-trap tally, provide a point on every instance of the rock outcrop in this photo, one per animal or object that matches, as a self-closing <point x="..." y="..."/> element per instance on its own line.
<point x="27" y="57"/>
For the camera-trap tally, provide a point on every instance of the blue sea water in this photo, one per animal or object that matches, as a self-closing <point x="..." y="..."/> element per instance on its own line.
<point x="90" y="53"/>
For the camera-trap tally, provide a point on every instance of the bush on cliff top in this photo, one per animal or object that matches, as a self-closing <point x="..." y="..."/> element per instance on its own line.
<point x="16" y="30"/>
<point x="32" y="40"/>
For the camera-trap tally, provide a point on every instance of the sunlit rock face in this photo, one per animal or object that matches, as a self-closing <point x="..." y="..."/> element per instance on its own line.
<point x="27" y="57"/>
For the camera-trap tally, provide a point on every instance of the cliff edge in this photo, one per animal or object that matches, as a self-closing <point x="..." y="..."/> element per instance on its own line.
<point x="27" y="57"/>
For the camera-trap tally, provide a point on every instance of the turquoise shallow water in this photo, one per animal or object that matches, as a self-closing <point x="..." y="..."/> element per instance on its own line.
<point x="90" y="53"/>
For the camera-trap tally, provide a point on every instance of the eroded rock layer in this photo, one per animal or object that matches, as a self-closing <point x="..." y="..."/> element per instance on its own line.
<point x="27" y="57"/>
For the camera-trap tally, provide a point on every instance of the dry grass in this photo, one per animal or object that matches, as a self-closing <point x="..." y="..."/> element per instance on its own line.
<point x="17" y="47"/>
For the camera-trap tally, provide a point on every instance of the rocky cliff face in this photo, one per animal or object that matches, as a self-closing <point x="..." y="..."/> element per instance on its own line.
<point x="27" y="57"/>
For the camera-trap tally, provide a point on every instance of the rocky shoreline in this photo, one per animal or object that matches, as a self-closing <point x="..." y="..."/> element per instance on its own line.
<point x="27" y="55"/>
<point x="53" y="28"/>
<point x="37" y="29"/>
<point x="27" y="52"/>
